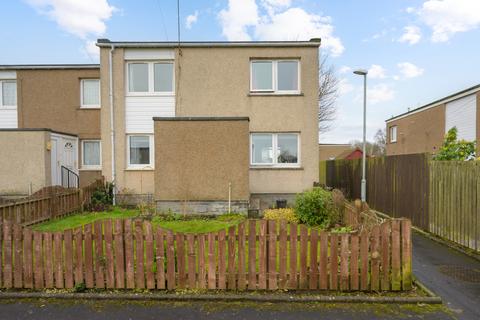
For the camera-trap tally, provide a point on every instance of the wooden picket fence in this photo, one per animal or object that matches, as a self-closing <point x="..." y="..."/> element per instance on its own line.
<point x="48" y="203"/>
<point x="254" y="255"/>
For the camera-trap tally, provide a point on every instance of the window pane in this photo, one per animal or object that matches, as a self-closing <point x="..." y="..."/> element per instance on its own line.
<point x="91" y="153"/>
<point x="163" y="77"/>
<point x="138" y="77"/>
<point x="262" y="149"/>
<point x="9" y="93"/>
<point x="91" y="92"/>
<point x="262" y="75"/>
<point x="287" y="148"/>
<point x="287" y="75"/>
<point x="139" y="150"/>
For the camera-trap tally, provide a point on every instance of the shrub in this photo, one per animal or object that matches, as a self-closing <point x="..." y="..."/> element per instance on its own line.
<point x="102" y="198"/>
<point x="454" y="149"/>
<point x="281" y="214"/>
<point x="315" y="207"/>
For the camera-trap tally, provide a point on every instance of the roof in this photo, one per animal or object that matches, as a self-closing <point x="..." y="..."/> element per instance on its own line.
<point x="47" y="66"/>
<point x="315" y="42"/>
<point x="37" y="129"/>
<point x="435" y="103"/>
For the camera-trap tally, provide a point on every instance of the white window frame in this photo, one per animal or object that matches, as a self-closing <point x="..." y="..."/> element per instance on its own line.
<point x="392" y="138"/>
<point x="149" y="166"/>
<point x="274" y="89"/>
<point x="5" y="107"/>
<point x="90" y="106"/>
<point x="151" y="78"/>
<point x="275" y="163"/>
<point x="91" y="167"/>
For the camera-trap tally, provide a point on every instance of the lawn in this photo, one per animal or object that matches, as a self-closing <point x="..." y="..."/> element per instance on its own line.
<point x="194" y="225"/>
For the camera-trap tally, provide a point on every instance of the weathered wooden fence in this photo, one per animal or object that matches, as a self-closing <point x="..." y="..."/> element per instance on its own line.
<point x="48" y="203"/>
<point x="455" y="202"/>
<point x="256" y="254"/>
<point x="440" y="197"/>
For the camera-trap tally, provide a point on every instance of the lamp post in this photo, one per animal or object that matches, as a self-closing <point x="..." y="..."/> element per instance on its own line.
<point x="362" y="72"/>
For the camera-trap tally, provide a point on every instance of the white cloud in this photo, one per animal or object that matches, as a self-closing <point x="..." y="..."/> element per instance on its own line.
<point x="448" y="17"/>
<point x="380" y="93"/>
<point x="91" y="50"/>
<point x="412" y="35"/>
<point x="82" y="18"/>
<point x="235" y="20"/>
<point x="344" y="86"/>
<point x="244" y="21"/>
<point x="376" y="72"/>
<point x="409" y="70"/>
<point x="191" y="19"/>
<point x="345" y="69"/>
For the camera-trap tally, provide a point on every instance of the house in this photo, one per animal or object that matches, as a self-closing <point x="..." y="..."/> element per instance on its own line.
<point x="56" y="107"/>
<point x="351" y="154"/>
<point x="331" y="151"/>
<point x="423" y="129"/>
<point x="196" y="126"/>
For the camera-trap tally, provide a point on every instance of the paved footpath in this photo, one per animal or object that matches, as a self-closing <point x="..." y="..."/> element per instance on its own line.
<point x="450" y="274"/>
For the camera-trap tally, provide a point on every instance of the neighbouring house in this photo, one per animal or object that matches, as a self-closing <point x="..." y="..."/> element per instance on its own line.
<point x="422" y="130"/>
<point x="48" y="112"/>
<point x="351" y="154"/>
<point x="331" y="151"/>
<point x="190" y="126"/>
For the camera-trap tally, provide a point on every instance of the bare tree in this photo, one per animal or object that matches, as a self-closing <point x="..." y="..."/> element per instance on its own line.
<point x="375" y="148"/>
<point x="380" y="141"/>
<point x="327" y="96"/>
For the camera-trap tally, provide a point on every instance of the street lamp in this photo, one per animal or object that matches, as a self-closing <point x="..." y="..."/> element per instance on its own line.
<point x="362" y="72"/>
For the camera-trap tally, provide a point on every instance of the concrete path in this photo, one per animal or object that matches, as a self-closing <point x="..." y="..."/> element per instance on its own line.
<point x="450" y="274"/>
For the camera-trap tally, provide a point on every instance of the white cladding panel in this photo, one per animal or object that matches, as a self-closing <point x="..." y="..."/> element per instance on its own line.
<point x="149" y="54"/>
<point x="462" y="113"/>
<point x="8" y="117"/>
<point x="141" y="109"/>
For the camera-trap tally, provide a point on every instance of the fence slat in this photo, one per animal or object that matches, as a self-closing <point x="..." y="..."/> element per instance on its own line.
<point x="313" y="284"/>
<point x="272" y="255"/>
<point x="48" y="251"/>
<point x="396" y="268"/>
<point x="89" y="278"/>
<point x="28" y="259"/>
<point x="180" y="241"/>
<point x="38" y="253"/>
<point x="333" y="262"/>
<point x="344" y="257"/>
<point x="139" y="256"/>
<point x="241" y="257"/>
<point x="221" y="260"/>
<point x="18" y="256"/>
<point x="129" y="255"/>
<point x="292" y="281"/>
<point x="149" y="252"/>
<point x="303" y="256"/>
<point x="385" y="230"/>
<point x="7" y="259"/>
<point x="262" y="256"/>
<point x="58" y="260"/>
<point x="323" y="263"/>
<point x="406" y="255"/>
<point x="191" y="261"/>
<point x="160" y="258"/>
<point x="364" y="243"/>
<point x="375" y="261"/>
<point x="99" y="256"/>
<point x="202" y="272"/>
<point x="231" y="281"/>
<point x="78" y="256"/>
<point x="170" y="261"/>
<point x="109" y="269"/>
<point x="252" y="266"/>
<point x="354" y="275"/>
<point x="212" y="281"/>
<point x="119" y="255"/>
<point x="282" y="268"/>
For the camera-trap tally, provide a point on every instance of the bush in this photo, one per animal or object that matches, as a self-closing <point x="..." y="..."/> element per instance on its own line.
<point x="454" y="149"/>
<point x="102" y="198"/>
<point x="281" y="214"/>
<point x="316" y="207"/>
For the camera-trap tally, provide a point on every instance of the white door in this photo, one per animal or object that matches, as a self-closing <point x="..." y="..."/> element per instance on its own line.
<point x="69" y="157"/>
<point x="55" y="162"/>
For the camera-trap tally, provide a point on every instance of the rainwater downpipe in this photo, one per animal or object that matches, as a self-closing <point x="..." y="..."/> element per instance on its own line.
<point x="112" y="119"/>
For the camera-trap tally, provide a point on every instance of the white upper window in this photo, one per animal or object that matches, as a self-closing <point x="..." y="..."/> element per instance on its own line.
<point x="150" y="78"/>
<point x="140" y="151"/>
<point x="8" y="93"/>
<point x="275" y="149"/>
<point x="275" y="76"/>
<point x="90" y="93"/>
<point x="393" y="134"/>
<point x="91" y="154"/>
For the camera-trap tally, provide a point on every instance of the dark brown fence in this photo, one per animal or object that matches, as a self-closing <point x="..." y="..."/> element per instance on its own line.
<point x="256" y="254"/>
<point x="48" y="203"/>
<point x="396" y="185"/>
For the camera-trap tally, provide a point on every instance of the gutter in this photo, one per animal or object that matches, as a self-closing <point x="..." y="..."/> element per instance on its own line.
<point x="112" y="119"/>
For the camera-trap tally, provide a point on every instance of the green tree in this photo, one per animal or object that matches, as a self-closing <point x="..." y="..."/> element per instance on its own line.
<point x="454" y="149"/>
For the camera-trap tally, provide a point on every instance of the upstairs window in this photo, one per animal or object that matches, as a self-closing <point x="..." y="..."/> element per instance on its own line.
<point x="8" y="93"/>
<point x="393" y="134"/>
<point x="150" y="78"/>
<point x="275" y="76"/>
<point x="90" y="93"/>
<point x="274" y="149"/>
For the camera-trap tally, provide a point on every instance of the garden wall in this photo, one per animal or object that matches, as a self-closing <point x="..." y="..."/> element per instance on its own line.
<point x="256" y="254"/>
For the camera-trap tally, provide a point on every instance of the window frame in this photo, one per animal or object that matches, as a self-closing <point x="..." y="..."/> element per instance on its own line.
<point x="151" y="78"/>
<point x="275" y="163"/>
<point x="275" y="89"/>
<point x="393" y="128"/>
<point x="90" y="106"/>
<point x="151" y="145"/>
<point x="8" y="107"/>
<point x="90" y="167"/>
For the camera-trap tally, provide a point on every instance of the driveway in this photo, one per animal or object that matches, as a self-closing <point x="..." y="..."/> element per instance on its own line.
<point x="452" y="275"/>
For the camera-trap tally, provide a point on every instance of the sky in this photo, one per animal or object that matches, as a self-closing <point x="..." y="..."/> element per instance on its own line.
<point x="416" y="51"/>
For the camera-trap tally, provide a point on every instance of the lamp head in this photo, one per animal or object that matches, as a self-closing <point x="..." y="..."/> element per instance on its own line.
<point x="361" y="72"/>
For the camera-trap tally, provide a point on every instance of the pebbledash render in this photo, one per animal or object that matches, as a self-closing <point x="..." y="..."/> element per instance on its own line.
<point x="204" y="126"/>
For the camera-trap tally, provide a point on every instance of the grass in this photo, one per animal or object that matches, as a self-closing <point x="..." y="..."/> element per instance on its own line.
<point x="194" y="225"/>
